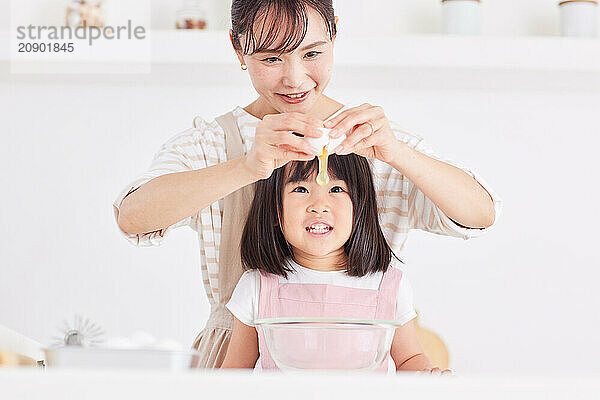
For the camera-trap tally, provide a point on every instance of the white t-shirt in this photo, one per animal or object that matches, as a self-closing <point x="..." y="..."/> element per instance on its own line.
<point x="244" y="300"/>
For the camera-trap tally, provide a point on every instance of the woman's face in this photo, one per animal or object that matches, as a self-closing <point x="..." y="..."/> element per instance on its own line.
<point x="317" y="221"/>
<point x="304" y="72"/>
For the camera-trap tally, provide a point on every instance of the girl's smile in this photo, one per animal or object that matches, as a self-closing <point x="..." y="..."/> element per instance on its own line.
<point x="319" y="229"/>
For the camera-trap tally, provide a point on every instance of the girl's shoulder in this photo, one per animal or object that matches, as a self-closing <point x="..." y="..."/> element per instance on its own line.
<point x="395" y="266"/>
<point x="249" y="281"/>
<point x="251" y="274"/>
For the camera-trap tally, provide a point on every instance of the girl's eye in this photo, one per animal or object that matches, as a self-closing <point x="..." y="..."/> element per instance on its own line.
<point x="341" y="189"/>
<point x="313" y="54"/>
<point x="299" y="188"/>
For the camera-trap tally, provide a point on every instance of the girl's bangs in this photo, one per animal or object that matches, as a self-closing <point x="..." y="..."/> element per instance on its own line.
<point x="305" y="170"/>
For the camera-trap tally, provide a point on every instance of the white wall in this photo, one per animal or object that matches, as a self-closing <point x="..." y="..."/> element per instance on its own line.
<point x="521" y="299"/>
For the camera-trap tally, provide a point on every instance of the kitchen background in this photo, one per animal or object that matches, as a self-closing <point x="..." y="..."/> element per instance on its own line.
<point x="518" y="104"/>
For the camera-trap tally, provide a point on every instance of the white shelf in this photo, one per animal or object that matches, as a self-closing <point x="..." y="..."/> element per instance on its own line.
<point x="401" y="61"/>
<point x="406" y="51"/>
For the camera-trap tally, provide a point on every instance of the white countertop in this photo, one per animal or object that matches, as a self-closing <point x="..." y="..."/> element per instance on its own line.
<point x="30" y="383"/>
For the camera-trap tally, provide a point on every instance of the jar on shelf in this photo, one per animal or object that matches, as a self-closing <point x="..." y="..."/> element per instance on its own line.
<point x="192" y="15"/>
<point x="462" y="17"/>
<point x="85" y="13"/>
<point x="579" y="18"/>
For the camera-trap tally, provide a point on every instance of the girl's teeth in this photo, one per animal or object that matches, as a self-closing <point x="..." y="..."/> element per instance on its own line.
<point x="318" y="230"/>
<point x="295" y="96"/>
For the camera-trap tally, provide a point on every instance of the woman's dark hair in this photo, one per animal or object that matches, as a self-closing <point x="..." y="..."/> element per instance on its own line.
<point x="263" y="245"/>
<point x="287" y="18"/>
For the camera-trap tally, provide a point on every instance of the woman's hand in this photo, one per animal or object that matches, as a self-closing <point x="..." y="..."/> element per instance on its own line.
<point x="275" y="145"/>
<point x="377" y="141"/>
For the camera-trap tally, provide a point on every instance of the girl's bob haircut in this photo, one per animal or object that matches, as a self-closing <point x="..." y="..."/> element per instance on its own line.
<point x="263" y="21"/>
<point x="263" y="245"/>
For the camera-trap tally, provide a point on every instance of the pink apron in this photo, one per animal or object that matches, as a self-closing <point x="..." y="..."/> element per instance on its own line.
<point x="278" y="300"/>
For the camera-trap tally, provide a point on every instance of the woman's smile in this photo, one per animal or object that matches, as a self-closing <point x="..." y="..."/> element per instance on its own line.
<point x="295" y="97"/>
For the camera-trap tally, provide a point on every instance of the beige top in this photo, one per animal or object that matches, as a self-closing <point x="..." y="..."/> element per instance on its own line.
<point x="402" y="207"/>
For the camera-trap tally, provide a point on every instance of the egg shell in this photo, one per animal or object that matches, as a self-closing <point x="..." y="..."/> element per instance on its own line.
<point x="325" y="140"/>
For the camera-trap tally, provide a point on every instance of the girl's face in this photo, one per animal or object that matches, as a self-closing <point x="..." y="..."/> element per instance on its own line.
<point x="306" y="71"/>
<point x="317" y="221"/>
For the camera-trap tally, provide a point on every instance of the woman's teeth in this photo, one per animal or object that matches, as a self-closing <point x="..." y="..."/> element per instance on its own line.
<point x="295" y="96"/>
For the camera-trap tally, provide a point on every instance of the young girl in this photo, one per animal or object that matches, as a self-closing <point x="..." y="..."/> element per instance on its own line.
<point x="301" y="243"/>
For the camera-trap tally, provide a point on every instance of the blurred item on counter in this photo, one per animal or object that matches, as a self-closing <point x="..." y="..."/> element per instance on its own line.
<point x="462" y="17"/>
<point x="9" y="359"/>
<point x="18" y="349"/>
<point x="579" y="18"/>
<point x="85" y="13"/>
<point x="192" y="15"/>
<point x="82" y="332"/>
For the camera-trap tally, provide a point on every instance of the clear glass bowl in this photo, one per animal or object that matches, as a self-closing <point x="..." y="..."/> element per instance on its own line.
<point x="300" y="344"/>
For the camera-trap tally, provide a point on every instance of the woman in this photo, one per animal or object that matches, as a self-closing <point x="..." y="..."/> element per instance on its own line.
<point x="204" y="177"/>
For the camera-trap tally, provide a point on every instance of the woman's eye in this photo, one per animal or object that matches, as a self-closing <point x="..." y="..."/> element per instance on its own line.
<point x="271" y="60"/>
<point x="313" y="54"/>
<point x="300" y="189"/>
<point x="337" y="189"/>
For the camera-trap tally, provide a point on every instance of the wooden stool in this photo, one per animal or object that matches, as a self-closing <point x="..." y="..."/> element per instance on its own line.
<point x="433" y="346"/>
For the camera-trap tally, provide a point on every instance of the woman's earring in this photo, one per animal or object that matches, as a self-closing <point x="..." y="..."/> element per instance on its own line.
<point x="244" y="67"/>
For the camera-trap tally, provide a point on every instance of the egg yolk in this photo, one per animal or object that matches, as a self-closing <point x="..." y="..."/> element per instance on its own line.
<point x="323" y="177"/>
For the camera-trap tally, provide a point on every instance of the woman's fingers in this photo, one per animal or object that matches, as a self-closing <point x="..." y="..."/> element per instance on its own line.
<point x="357" y="117"/>
<point x="284" y="155"/>
<point x="365" y="143"/>
<point x="334" y="122"/>
<point x="275" y="144"/>
<point x="294" y="122"/>
<point x="293" y="141"/>
<point x="357" y="138"/>
<point x="351" y="121"/>
<point x="360" y="125"/>
<point x="279" y="130"/>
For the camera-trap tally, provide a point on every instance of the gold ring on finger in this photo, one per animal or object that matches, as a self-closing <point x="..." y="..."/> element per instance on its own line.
<point x="372" y="127"/>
